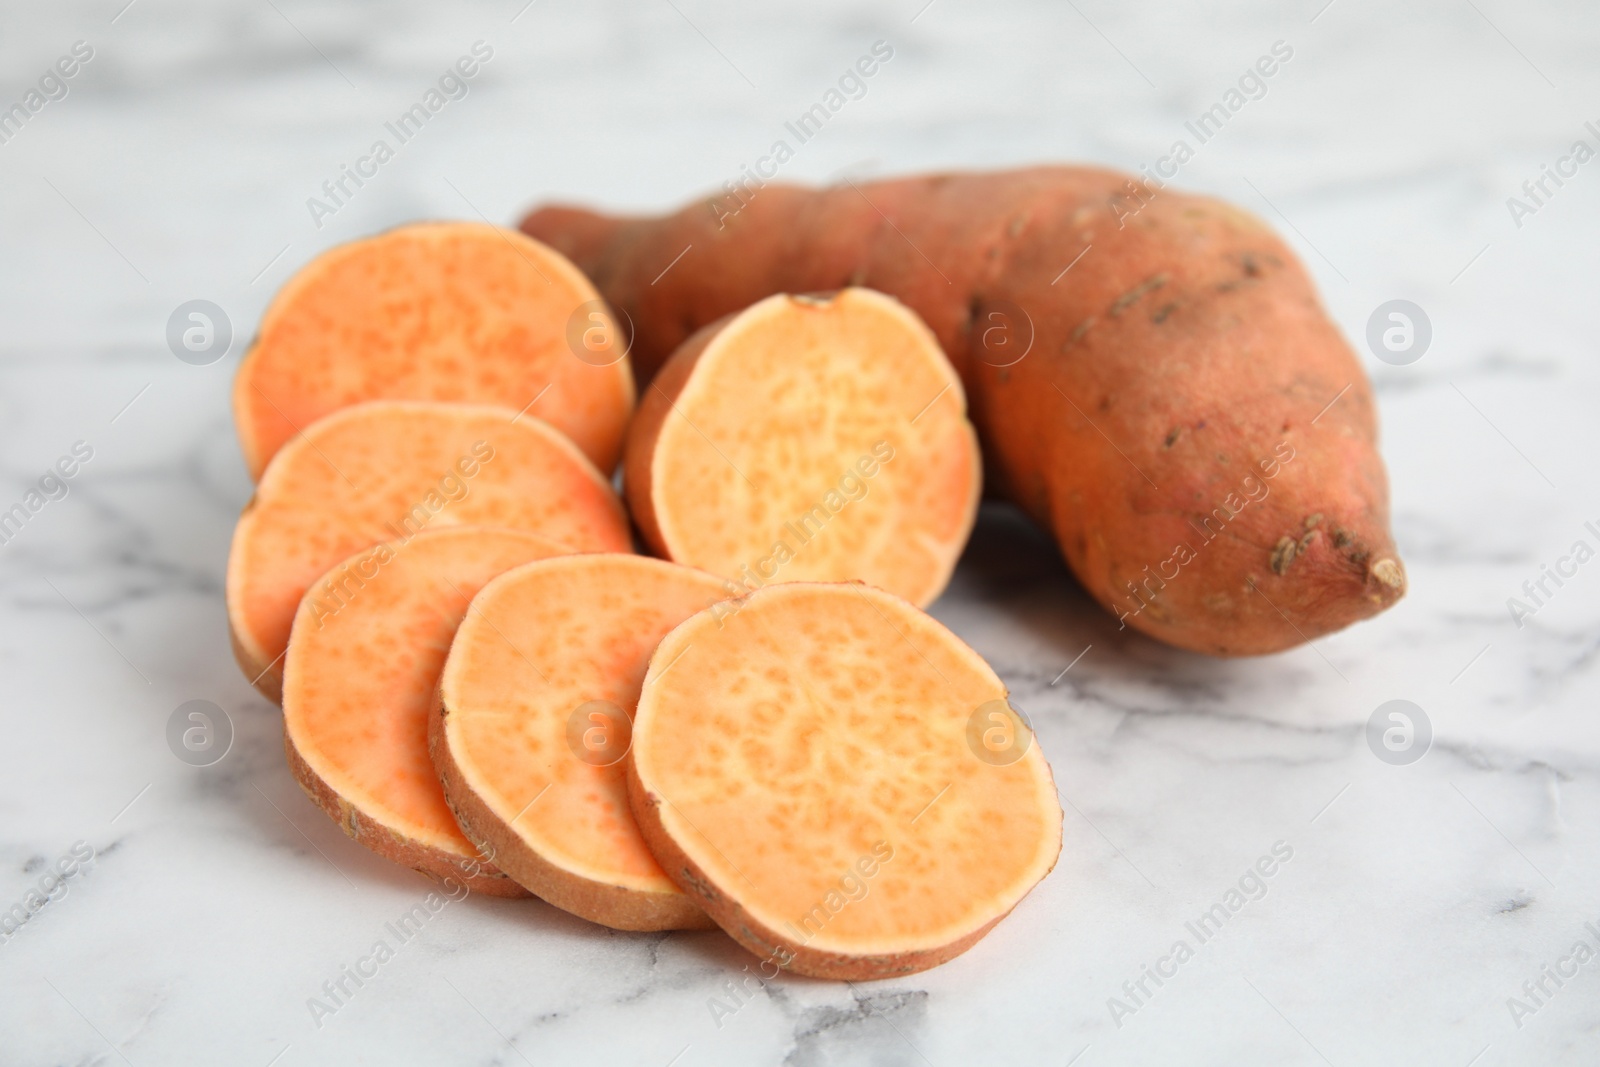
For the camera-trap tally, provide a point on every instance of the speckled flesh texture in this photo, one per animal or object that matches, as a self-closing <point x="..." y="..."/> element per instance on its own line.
<point x="358" y="686"/>
<point x="383" y="471"/>
<point x="452" y="311"/>
<point x="821" y="438"/>
<point x="1152" y="375"/>
<point x="532" y="721"/>
<point x="810" y="766"/>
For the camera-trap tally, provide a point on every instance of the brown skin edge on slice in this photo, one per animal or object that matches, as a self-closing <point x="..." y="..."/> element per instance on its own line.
<point x="762" y="939"/>
<point x="639" y="446"/>
<point x="617" y="907"/>
<point x="477" y="876"/>
<point x="267" y="678"/>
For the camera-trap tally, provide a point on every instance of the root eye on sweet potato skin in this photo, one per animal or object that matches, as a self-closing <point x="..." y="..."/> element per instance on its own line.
<point x="1187" y="313"/>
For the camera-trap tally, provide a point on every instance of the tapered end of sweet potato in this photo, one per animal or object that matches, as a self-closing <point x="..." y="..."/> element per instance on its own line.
<point x="578" y="233"/>
<point x="1296" y="564"/>
<point x="1205" y="446"/>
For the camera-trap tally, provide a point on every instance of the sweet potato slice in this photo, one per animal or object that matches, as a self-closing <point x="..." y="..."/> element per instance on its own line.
<point x="382" y="471"/>
<point x="839" y="781"/>
<point x="454" y="311"/>
<point x="809" y="438"/>
<point x="533" y="723"/>
<point x="358" y="685"/>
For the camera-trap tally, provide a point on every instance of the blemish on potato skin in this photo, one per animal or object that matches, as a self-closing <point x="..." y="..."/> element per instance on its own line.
<point x="1283" y="555"/>
<point x="704" y="888"/>
<point x="1149" y="285"/>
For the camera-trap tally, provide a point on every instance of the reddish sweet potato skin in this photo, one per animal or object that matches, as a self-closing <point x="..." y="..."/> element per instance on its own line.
<point x="1187" y="420"/>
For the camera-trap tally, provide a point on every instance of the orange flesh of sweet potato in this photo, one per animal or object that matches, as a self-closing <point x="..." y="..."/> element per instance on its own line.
<point x="1176" y="406"/>
<point x="818" y="766"/>
<point x="809" y="438"/>
<point x="532" y="729"/>
<point x="383" y="470"/>
<point x="457" y="311"/>
<point x="358" y="686"/>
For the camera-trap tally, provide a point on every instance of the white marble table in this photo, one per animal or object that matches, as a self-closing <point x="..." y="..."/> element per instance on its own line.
<point x="1417" y="900"/>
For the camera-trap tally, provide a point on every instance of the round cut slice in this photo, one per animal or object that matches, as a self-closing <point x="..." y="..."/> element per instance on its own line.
<point x="452" y="311"/>
<point x="384" y="471"/>
<point x="531" y="736"/>
<point x="364" y="658"/>
<point x="839" y="781"/>
<point x="816" y="438"/>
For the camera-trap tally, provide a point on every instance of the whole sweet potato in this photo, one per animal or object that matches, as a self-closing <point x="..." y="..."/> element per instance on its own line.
<point x="1151" y="373"/>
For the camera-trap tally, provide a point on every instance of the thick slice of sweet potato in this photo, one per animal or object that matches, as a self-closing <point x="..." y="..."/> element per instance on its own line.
<point x="839" y="781"/>
<point x="384" y="470"/>
<point x="533" y="722"/>
<point x="809" y="438"/>
<point x="358" y="685"/>
<point x="454" y="311"/>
